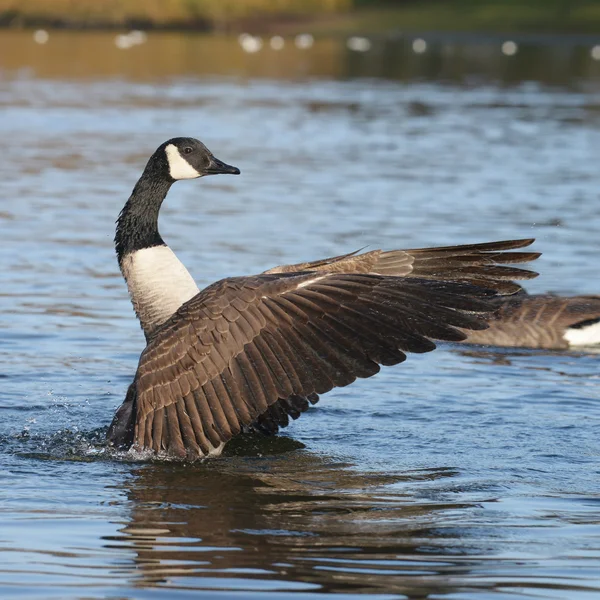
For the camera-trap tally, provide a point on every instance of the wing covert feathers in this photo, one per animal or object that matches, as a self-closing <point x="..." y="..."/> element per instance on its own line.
<point x="252" y="352"/>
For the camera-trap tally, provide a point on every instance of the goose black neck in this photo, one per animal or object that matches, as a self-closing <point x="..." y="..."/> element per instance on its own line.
<point x="137" y="225"/>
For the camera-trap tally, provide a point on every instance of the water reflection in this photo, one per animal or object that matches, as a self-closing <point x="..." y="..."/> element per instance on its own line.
<point x="456" y="58"/>
<point x="291" y="518"/>
<point x="505" y="356"/>
<point x="301" y="522"/>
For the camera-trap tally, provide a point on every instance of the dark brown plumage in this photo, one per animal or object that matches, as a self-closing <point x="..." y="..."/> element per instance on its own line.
<point x="538" y="321"/>
<point x="477" y="264"/>
<point x="243" y="345"/>
<point x="252" y="352"/>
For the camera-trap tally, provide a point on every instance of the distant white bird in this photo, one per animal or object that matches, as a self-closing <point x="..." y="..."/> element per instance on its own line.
<point x="137" y="36"/>
<point x="419" y="46"/>
<point x="128" y="40"/>
<point x="509" y="48"/>
<point x="123" y="42"/>
<point x="250" y="43"/>
<point x="277" y="42"/>
<point x="304" y="41"/>
<point x="41" y="36"/>
<point x="358" y="44"/>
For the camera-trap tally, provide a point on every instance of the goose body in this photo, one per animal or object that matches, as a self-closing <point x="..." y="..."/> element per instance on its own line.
<point x="251" y="352"/>
<point x="542" y="321"/>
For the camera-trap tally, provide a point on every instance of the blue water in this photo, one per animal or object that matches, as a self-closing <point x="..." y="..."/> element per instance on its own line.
<point x="464" y="473"/>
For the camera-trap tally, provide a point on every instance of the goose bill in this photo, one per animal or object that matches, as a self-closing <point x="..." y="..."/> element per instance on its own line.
<point x="217" y="167"/>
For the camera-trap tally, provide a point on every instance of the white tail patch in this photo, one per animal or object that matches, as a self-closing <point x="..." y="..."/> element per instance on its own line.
<point x="158" y="284"/>
<point x="179" y="168"/>
<point x="583" y="336"/>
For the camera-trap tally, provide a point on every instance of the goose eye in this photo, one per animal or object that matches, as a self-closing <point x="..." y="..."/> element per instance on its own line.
<point x="188" y="150"/>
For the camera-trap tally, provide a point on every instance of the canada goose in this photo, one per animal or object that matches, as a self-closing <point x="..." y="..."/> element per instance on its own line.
<point x="542" y="321"/>
<point x="253" y="351"/>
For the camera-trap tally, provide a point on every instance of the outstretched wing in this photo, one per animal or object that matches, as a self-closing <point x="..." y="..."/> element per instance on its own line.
<point x="260" y="348"/>
<point x="243" y="344"/>
<point x="474" y="263"/>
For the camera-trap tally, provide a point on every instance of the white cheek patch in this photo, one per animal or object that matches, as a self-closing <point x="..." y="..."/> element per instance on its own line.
<point x="179" y="168"/>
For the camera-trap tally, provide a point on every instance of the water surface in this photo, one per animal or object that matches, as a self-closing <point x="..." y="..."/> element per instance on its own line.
<point x="459" y="474"/>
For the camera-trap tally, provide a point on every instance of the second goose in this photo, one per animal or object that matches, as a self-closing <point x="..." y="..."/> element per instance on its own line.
<point x="542" y="321"/>
<point x="254" y="351"/>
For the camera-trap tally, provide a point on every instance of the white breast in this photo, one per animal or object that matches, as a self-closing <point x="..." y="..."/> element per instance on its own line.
<point x="583" y="336"/>
<point x="158" y="284"/>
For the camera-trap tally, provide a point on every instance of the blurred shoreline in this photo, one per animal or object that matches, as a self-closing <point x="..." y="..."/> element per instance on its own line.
<point x="462" y="59"/>
<point x="318" y="17"/>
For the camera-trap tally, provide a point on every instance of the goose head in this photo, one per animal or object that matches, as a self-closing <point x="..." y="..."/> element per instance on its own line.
<point x="187" y="158"/>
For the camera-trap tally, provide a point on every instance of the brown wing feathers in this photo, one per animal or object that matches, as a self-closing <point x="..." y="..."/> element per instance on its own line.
<point x="278" y="414"/>
<point x="254" y="346"/>
<point x="474" y="263"/>
<point x="478" y="264"/>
